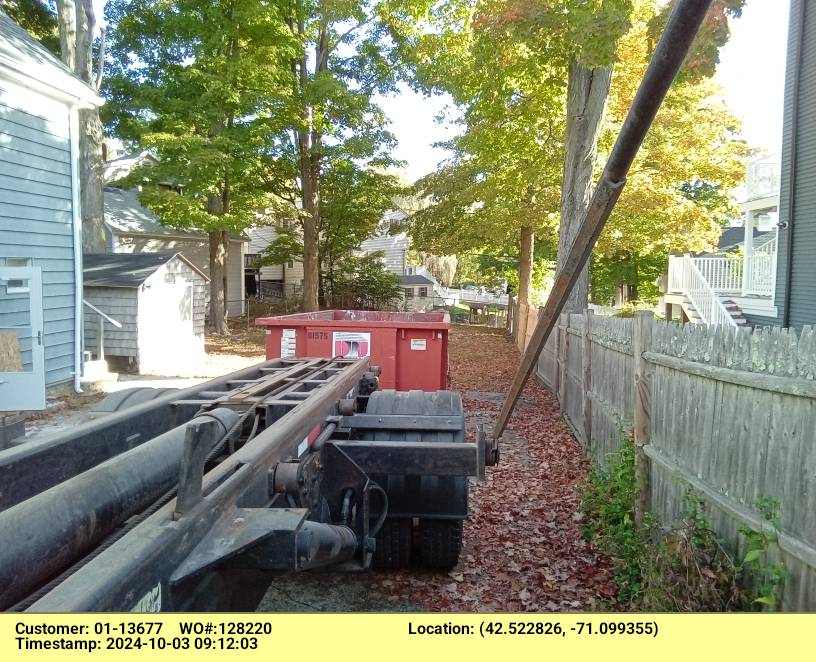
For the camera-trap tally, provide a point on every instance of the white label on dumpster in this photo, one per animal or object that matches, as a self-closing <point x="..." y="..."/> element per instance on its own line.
<point x="150" y="601"/>
<point x="419" y="343"/>
<point x="351" y="344"/>
<point x="288" y="343"/>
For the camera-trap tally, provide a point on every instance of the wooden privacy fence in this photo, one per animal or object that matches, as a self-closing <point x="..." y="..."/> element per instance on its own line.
<point x="729" y="413"/>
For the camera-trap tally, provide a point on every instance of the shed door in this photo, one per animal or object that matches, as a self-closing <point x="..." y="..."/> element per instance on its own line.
<point x="22" y="355"/>
<point x="167" y="344"/>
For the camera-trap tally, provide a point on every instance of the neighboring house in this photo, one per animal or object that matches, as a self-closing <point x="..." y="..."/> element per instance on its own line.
<point x="736" y="283"/>
<point x="40" y="221"/>
<point x="120" y="167"/>
<point x="133" y="228"/>
<point x="158" y="300"/>
<point x="773" y="281"/>
<point x="279" y="279"/>
<point x="288" y="278"/>
<point x="419" y="292"/>
<point x="394" y="247"/>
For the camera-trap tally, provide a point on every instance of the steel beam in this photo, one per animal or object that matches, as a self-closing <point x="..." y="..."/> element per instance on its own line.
<point x="143" y="561"/>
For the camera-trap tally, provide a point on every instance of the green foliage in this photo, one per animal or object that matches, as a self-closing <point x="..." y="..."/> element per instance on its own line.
<point x="504" y="64"/>
<point x="684" y="568"/>
<point x="640" y="273"/>
<point x="363" y="283"/>
<point x="38" y="17"/>
<point x="286" y="246"/>
<point x="354" y="200"/>
<point x="607" y="505"/>
<point x="203" y="84"/>
<point x="764" y="580"/>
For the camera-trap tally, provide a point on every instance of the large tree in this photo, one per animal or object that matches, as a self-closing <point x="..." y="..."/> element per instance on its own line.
<point x="206" y="84"/>
<point x="78" y="27"/>
<point x="503" y="179"/>
<point x="532" y="79"/>
<point x="353" y="202"/>
<point x="345" y="58"/>
<point x="678" y="192"/>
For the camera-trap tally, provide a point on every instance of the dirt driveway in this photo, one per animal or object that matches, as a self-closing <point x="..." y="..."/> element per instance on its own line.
<point x="523" y="550"/>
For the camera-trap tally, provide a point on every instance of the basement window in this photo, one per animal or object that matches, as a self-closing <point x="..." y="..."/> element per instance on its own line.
<point x="17" y="285"/>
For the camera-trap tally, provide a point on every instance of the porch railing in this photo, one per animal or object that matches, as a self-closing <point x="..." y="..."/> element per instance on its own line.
<point x="724" y="274"/>
<point x="471" y="296"/>
<point x="752" y="275"/>
<point x="685" y="276"/>
<point x="760" y="272"/>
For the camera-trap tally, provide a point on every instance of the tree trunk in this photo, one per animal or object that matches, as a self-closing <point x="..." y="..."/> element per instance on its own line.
<point x="66" y="16"/>
<point x="525" y="268"/>
<point x="587" y="92"/>
<point x="76" y="25"/>
<point x="218" y="272"/>
<point x="91" y="175"/>
<point x="311" y="259"/>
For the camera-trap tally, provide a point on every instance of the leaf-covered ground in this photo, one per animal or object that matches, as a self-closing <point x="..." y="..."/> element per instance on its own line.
<point x="523" y="546"/>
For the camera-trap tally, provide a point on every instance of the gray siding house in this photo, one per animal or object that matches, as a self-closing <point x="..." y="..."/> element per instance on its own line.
<point x="393" y="247"/>
<point x="133" y="228"/>
<point x="40" y="222"/>
<point x="795" y="285"/>
<point x="772" y="281"/>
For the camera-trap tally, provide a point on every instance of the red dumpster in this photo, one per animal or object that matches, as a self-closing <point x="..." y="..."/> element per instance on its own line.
<point x="411" y="348"/>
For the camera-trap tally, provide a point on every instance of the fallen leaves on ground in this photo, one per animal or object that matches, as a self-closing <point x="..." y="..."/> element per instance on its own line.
<point x="523" y="549"/>
<point x="245" y="339"/>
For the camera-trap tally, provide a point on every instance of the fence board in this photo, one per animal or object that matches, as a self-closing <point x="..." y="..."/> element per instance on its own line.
<point x="733" y="415"/>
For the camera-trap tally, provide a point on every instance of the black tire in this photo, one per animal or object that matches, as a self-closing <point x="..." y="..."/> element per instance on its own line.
<point x="393" y="544"/>
<point x="440" y="542"/>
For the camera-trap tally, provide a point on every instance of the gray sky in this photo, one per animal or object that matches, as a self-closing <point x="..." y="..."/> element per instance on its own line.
<point x="752" y="71"/>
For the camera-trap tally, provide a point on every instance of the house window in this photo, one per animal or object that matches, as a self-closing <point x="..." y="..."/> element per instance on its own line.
<point x="409" y="292"/>
<point x="290" y="264"/>
<point x="17" y="285"/>
<point x="423" y="291"/>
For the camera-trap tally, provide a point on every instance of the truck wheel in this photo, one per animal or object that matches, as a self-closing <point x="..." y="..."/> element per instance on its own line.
<point x="393" y="550"/>
<point x="440" y="542"/>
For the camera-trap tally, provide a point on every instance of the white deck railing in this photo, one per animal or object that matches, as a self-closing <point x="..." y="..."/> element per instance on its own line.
<point x="760" y="274"/>
<point x="754" y="275"/>
<point x="724" y="274"/>
<point x="686" y="277"/>
<point x="471" y="296"/>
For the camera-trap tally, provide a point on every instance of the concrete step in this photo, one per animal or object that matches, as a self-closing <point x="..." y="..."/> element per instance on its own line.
<point x="97" y="371"/>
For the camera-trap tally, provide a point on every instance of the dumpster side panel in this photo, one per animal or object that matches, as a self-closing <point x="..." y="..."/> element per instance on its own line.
<point x="273" y="342"/>
<point x="419" y="356"/>
<point x="410" y="357"/>
<point x="384" y="354"/>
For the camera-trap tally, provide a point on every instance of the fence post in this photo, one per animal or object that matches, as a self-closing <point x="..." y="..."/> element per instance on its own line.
<point x="586" y="378"/>
<point x="563" y="353"/>
<point x="641" y="341"/>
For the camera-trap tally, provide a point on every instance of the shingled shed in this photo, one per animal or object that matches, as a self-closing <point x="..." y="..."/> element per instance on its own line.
<point x="158" y="298"/>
